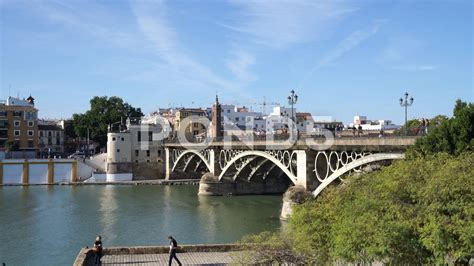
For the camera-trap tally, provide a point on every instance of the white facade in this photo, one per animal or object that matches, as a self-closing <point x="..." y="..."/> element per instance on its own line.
<point x="373" y="125"/>
<point x="239" y="117"/>
<point x="118" y="147"/>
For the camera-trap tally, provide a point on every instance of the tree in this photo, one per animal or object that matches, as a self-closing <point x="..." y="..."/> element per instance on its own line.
<point x="12" y="145"/>
<point x="104" y="112"/>
<point x="454" y="135"/>
<point x="417" y="211"/>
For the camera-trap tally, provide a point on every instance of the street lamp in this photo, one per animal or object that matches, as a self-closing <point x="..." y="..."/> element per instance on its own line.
<point x="406" y="103"/>
<point x="292" y="99"/>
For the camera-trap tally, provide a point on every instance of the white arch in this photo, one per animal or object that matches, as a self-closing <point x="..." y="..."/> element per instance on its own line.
<point x="258" y="154"/>
<point x="193" y="152"/>
<point x="365" y="160"/>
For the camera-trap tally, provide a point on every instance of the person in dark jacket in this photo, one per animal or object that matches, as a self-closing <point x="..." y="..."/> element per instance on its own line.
<point x="98" y="249"/>
<point x="173" y="246"/>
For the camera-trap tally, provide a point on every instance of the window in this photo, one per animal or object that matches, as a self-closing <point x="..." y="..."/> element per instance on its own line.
<point x="137" y="152"/>
<point x="30" y="115"/>
<point x="41" y="133"/>
<point x="31" y="133"/>
<point x="30" y="144"/>
<point x="148" y="153"/>
<point x="118" y="150"/>
<point x="31" y="123"/>
<point x="147" y="161"/>
<point x="113" y="138"/>
<point x="236" y="119"/>
<point x="16" y="123"/>
<point x="139" y="136"/>
<point x="17" y="113"/>
<point x="49" y="134"/>
<point x="123" y="139"/>
<point x="150" y="136"/>
<point x="17" y="133"/>
<point x="58" y="141"/>
<point x="159" y="153"/>
<point x="58" y="133"/>
<point x="3" y="113"/>
<point x="3" y="123"/>
<point x="228" y="111"/>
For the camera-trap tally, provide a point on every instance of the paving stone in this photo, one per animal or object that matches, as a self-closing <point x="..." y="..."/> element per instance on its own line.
<point x="191" y="258"/>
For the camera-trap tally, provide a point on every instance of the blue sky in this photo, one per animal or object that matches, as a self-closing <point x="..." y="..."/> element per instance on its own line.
<point x="342" y="57"/>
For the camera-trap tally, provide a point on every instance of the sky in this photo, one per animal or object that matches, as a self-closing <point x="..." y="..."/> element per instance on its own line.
<point x="343" y="58"/>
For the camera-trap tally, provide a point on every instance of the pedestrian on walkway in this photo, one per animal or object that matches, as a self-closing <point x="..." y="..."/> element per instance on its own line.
<point x="173" y="246"/>
<point x="98" y="249"/>
<point x="359" y="131"/>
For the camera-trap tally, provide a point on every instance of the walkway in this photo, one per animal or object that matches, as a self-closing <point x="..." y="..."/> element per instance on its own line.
<point x="191" y="258"/>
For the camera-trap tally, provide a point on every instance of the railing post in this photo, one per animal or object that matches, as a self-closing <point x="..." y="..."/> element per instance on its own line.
<point x="167" y="164"/>
<point x="74" y="171"/>
<point x="1" y="172"/>
<point x="26" y="172"/>
<point x="50" y="172"/>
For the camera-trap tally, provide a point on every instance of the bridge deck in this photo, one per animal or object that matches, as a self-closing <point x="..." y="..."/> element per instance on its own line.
<point x="346" y="143"/>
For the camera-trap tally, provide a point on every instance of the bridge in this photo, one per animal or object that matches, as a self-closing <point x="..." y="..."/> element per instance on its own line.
<point x="267" y="167"/>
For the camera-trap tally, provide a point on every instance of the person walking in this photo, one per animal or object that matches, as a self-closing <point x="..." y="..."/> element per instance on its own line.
<point x="173" y="246"/>
<point x="98" y="249"/>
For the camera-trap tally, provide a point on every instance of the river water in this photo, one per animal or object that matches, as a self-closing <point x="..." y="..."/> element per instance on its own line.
<point x="48" y="225"/>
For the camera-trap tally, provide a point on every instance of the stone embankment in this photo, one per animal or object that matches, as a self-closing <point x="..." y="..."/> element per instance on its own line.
<point x="163" y="182"/>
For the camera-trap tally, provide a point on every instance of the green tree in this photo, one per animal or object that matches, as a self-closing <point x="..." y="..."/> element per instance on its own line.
<point x="12" y="145"/>
<point x="103" y="112"/>
<point x="454" y="135"/>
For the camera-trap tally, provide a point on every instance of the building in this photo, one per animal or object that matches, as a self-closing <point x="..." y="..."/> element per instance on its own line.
<point x="373" y="125"/>
<point x="238" y="116"/>
<point x="51" y="139"/>
<point x="194" y="126"/>
<point x="217" y="131"/>
<point x="19" y="124"/>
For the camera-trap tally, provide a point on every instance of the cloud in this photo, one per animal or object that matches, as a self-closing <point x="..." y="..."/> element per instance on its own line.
<point x="351" y="41"/>
<point x="403" y="53"/>
<point x="343" y="47"/>
<point x="415" y="67"/>
<point x="279" y="24"/>
<point x="239" y="64"/>
<point x="152" y="22"/>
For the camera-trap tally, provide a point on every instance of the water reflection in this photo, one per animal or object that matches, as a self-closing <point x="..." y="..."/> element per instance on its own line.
<point x="108" y="207"/>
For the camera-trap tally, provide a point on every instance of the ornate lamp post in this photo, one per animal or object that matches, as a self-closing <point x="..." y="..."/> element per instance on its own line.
<point x="406" y="103"/>
<point x="292" y="99"/>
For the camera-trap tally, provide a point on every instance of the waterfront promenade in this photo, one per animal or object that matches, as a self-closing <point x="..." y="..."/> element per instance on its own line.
<point x="218" y="254"/>
<point x="191" y="258"/>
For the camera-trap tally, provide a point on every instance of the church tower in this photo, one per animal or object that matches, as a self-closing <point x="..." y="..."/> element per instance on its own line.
<point x="217" y="131"/>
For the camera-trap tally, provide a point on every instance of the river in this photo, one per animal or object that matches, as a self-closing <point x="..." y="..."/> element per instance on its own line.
<point x="48" y="225"/>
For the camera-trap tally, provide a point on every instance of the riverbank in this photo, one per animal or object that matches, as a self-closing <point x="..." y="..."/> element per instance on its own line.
<point x="162" y="182"/>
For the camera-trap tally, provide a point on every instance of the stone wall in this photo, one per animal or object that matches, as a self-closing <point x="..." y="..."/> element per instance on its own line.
<point x="241" y="188"/>
<point x="148" y="170"/>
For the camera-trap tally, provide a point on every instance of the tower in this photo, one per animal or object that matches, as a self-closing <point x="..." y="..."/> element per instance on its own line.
<point x="217" y="131"/>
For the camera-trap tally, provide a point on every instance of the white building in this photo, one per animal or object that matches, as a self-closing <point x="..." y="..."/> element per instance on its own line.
<point x="373" y="125"/>
<point x="238" y="116"/>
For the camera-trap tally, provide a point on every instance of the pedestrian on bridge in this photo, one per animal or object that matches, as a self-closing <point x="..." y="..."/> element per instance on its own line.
<point x="173" y="247"/>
